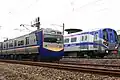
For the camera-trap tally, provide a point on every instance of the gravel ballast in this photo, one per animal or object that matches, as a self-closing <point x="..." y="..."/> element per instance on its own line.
<point x="25" y="72"/>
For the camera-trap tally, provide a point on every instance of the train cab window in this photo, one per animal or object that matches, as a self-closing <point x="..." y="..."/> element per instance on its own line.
<point x="105" y="34"/>
<point x="66" y="40"/>
<point x="109" y="30"/>
<point x="27" y="40"/>
<point x="59" y="33"/>
<point x="73" y="39"/>
<point x="116" y="37"/>
<point x="111" y="36"/>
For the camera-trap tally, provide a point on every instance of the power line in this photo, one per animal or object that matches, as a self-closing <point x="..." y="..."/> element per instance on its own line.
<point x="89" y="3"/>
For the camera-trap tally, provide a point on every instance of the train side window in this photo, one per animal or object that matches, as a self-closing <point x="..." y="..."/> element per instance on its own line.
<point x="22" y="42"/>
<point x="15" y="43"/>
<point x="4" y="46"/>
<point x="1" y="45"/>
<point x="86" y="37"/>
<point x="10" y="44"/>
<point x="73" y="39"/>
<point x="27" y="40"/>
<point x="19" y="43"/>
<point x="82" y="38"/>
<point x="96" y="36"/>
<point x="66" y="40"/>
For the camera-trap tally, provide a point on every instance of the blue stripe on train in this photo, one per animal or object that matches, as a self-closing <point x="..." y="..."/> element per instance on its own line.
<point x="84" y="43"/>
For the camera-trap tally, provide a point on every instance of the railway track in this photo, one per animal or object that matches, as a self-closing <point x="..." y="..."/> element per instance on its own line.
<point x="88" y="64"/>
<point x="65" y="66"/>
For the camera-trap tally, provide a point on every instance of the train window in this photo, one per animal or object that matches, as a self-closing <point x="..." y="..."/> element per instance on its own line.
<point x="82" y="38"/>
<point x="53" y="38"/>
<point x="27" y="40"/>
<point x="22" y="42"/>
<point x="96" y="36"/>
<point x="1" y="45"/>
<point x="66" y="40"/>
<point x="86" y="37"/>
<point x="4" y="46"/>
<point x="73" y="39"/>
<point x="59" y="33"/>
<point x="19" y="43"/>
<point x="11" y="44"/>
<point x="15" y="43"/>
<point x="105" y="34"/>
<point x="109" y="30"/>
<point x="116" y="37"/>
<point x="111" y="36"/>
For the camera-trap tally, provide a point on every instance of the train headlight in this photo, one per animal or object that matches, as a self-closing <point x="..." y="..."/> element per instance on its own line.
<point x="116" y="47"/>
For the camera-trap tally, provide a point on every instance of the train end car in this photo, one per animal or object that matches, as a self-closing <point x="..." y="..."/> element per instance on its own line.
<point x="93" y="43"/>
<point x="43" y="44"/>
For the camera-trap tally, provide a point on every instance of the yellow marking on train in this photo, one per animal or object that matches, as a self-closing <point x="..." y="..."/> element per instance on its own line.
<point x="33" y="47"/>
<point x="54" y="48"/>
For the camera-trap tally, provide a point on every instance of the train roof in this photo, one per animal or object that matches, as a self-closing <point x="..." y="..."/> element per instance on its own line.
<point x="73" y="30"/>
<point x="85" y="31"/>
<point x="46" y="30"/>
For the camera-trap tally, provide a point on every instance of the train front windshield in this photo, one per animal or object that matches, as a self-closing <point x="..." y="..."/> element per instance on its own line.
<point x="53" y="38"/>
<point x="110" y="35"/>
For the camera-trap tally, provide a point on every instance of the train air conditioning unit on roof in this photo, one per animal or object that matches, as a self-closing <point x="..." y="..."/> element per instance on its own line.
<point x="73" y="30"/>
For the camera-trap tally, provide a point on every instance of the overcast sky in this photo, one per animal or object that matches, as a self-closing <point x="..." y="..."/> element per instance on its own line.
<point x="82" y="14"/>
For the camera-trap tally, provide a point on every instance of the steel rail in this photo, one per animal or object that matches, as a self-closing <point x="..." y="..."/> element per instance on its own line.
<point x="112" y="72"/>
<point x="88" y="64"/>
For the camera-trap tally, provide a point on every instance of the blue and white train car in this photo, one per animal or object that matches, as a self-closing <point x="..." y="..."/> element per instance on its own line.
<point x="43" y="44"/>
<point x="100" y="42"/>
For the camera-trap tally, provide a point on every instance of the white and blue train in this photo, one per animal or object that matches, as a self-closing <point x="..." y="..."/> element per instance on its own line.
<point x="43" y="44"/>
<point x="100" y="42"/>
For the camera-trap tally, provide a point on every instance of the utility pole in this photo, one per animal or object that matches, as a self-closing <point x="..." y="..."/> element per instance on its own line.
<point x="36" y="23"/>
<point x="63" y="28"/>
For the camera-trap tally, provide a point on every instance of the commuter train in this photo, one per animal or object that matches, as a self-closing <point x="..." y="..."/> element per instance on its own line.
<point x="43" y="44"/>
<point x="93" y="43"/>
